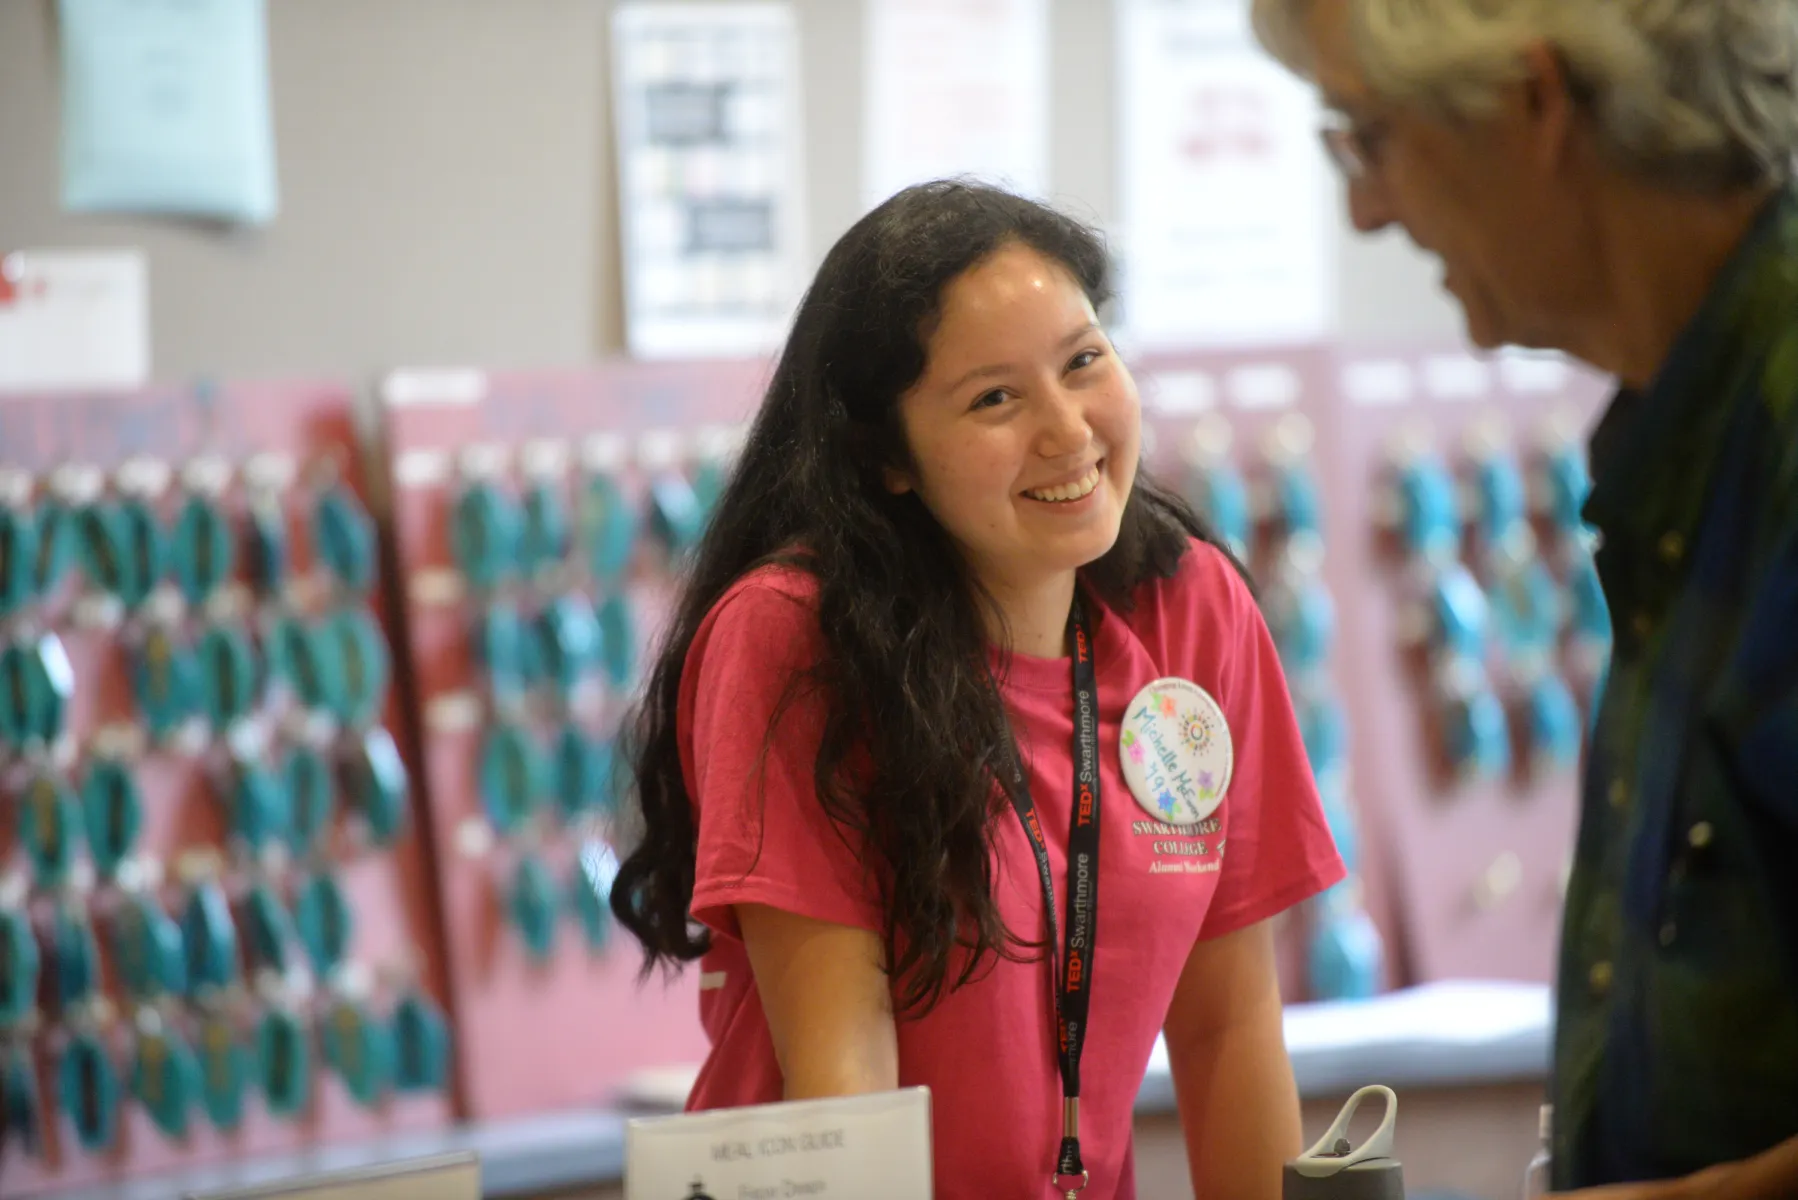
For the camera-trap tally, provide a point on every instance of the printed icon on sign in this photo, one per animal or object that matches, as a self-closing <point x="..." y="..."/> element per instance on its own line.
<point x="699" y="1192"/>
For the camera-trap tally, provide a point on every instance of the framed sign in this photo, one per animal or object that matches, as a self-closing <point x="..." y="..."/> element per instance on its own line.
<point x="956" y="87"/>
<point x="1226" y="228"/>
<point x="710" y="177"/>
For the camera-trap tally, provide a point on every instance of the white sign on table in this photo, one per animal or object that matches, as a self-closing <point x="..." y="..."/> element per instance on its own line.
<point x="874" y="1147"/>
<point x="710" y="176"/>
<point x="956" y="87"/>
<point x="1226" y="231"/>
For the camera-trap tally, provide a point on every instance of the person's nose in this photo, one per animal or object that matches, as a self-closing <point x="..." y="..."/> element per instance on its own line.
<point x="1369" y="205"/>
<point x="1066" y="430"/>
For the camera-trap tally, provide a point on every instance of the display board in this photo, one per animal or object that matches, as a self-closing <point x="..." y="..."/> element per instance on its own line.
<point x="1412" y="521"/>
<point x="216" y="928"/>
<point x="1475" y="637"/>
<point x="1249" y="439"/>
<point x="540" y="520"/>
<point x="250" y="850"/>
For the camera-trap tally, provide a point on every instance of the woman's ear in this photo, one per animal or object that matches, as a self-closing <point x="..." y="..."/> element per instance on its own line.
<point x="897" y="481"/>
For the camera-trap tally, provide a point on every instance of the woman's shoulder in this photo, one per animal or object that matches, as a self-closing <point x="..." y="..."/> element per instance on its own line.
<point x="1206" y="579"/>
<point x="1193" y="619"/>
<point x="769" y="612"/>
<point x="771" y="585"/>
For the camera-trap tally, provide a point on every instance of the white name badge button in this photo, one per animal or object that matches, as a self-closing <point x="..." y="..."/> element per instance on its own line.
<point x="1176" y="751"/>
<point x="858" y="1147"/>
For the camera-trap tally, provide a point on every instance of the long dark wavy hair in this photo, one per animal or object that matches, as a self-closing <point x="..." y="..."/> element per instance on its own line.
<point x="915" y="743"/>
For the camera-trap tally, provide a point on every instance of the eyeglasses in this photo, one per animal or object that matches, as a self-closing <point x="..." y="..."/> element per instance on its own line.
<point x="1355" y="146"/>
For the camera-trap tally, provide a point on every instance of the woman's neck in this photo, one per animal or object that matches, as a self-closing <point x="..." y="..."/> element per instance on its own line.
<point x="1035" y="616"/>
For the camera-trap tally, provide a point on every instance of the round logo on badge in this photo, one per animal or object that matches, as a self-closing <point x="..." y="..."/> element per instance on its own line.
<point x="1176" y="751"/>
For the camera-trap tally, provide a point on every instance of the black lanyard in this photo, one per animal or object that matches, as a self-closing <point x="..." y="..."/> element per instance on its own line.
<point x="1072" y="978"/>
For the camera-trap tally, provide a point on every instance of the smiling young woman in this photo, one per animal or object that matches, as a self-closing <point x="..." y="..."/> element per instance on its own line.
<point x="892" y="755"/>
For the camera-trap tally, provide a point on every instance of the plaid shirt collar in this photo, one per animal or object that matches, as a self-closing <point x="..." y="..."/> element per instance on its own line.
<point x="1654" y="452"/>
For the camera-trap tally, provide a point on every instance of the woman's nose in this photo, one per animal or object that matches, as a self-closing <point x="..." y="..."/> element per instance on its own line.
<point x="1065" y="430"/>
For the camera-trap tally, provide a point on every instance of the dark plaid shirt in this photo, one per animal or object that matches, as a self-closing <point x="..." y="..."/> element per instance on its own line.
<point x="1676" y="1044"/>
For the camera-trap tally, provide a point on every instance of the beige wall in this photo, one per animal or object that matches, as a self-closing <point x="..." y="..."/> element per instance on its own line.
<point x="446" y="186"/>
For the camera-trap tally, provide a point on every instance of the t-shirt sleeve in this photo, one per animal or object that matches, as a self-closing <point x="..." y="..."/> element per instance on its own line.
<point x="1277" y="844"/>
<point x="764" y="837"/>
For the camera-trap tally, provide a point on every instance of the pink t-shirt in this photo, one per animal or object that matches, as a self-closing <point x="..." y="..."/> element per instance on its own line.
<point x="987" y="1052"/>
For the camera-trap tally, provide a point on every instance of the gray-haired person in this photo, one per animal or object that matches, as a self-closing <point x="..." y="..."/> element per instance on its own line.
<point x="1613" y="179"/>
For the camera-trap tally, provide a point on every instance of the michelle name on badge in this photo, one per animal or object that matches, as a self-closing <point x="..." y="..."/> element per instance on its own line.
<point x="1176" y="751"/>
<point x="856" y="1147"/>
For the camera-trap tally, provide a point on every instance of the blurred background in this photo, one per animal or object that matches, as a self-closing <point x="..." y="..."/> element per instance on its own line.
<point x="403" y="344"/>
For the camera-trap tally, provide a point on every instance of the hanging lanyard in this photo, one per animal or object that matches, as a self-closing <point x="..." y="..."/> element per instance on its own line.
<point x="1071" y="978"/>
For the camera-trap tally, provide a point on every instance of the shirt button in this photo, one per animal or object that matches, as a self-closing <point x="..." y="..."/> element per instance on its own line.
<point x="1619" y="794"/>
<point x="1673" y="548"/>
<point x="1668" y="932"/>
<point x="1700" y="835"/>
<point x="1641" y="625"/>
<point x="1600" y="978"/>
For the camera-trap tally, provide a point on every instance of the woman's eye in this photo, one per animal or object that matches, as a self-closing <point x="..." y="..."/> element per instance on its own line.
<point x="990" y="399"/>
<point x="1085" y="358"/>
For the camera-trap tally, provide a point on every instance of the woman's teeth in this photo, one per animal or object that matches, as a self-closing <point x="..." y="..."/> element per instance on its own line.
<point x="1069" y="491"/>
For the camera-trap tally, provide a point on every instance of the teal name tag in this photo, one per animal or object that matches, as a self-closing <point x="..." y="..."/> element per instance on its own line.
<point x="224" y="1073"/>
<point x="378" y="788"/>
<point x="486" y="529"/>
<point x="165" y="1079"/>
<point x="513" y="778"/>
<point x="284" y="1063"/>
<point x="211" y="942"/>
<point x="88" y="1084"/>
<point x="534" y="902"/>
<point x="344" y="539"/>
<point x="421" y="1044"/>
<point x="360" y="1049"/>
<point x="20" y="962"/>
<point x="228" y="671"/>
<point x="312" y="793"/>
<point x="18" y="560"/>
<point x="326" y="922"/>
<point x="203" y="552"/>
<point x="50" y="825"/>
<point x="115" y="814"/>
<point x="148" y="951"/>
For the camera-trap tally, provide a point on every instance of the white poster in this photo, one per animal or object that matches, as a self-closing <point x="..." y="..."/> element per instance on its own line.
<point x="74" y="319"/>
<point x="1226" y="231"/>
<point x="956" y="87"/>
<point x="710" y="176"/>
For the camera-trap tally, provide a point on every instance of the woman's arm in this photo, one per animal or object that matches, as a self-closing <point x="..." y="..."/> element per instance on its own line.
<point x="1226" y="1045"/>
<point x="827" y="1000"/>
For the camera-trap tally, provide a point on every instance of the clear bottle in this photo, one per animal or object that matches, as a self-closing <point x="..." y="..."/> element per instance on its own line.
<point x="1536" y="1179"/>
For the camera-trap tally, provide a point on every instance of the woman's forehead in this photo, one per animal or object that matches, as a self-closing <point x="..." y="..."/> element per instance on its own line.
<point x="1013" y="282"/>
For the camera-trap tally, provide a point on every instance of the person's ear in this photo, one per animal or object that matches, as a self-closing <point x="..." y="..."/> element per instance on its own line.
<point x="897" y="481"/>
<point x="1550" y="99"/>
